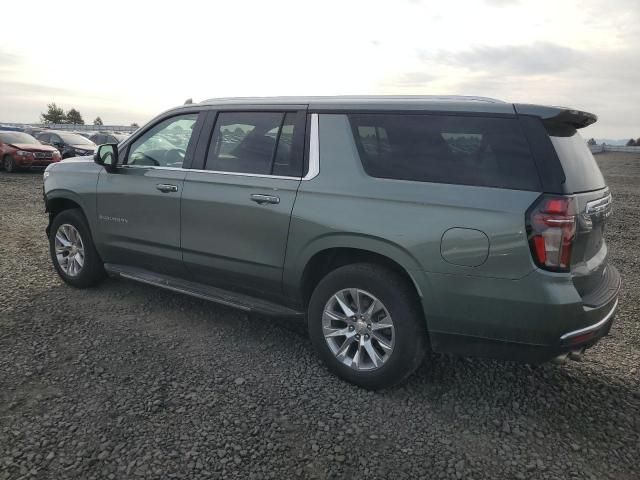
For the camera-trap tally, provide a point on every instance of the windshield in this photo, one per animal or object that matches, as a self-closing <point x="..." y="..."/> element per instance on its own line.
<point x="580" y="168"/>
<point x="74" y="139"/>
<point x="18" y="137"/>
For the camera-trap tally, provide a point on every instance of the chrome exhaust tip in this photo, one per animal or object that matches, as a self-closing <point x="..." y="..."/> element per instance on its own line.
<point x="560" y="359"/>
<point x="577" y="355"/>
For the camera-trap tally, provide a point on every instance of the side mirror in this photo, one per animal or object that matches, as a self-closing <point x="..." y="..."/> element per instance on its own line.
<point x="107" y="156"/>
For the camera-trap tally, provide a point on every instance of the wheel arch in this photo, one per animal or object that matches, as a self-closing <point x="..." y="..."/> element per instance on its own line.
<point x="57" y="201"/>
<point x="333" y="251"/>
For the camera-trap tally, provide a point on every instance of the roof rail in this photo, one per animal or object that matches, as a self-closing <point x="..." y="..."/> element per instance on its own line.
<point x="337" y="98"/>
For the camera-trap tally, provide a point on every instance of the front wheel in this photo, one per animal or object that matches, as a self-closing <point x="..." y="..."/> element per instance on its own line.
<point x="9" y="164"/>
<point x="72" y="250"/>
<point x="366" y="324"/>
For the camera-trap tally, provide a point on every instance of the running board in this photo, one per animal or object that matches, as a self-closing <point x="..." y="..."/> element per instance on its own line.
<point x="205" y="292"/>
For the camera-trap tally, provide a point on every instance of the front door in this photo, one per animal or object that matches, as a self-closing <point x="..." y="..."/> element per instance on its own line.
<point x="138" y="205"/>
<point x="236" y="209"/>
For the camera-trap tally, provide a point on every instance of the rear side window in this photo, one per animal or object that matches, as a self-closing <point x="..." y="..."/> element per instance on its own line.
<point x="253" y="142"/>
<point x="580" y="168"/>
<point x="490" y="152"/>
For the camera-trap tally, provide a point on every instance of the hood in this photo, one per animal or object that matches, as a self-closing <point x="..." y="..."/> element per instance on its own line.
<point x="88" y="148"/>
<point x="30" y="147"/>
<point x="85" y="158"/>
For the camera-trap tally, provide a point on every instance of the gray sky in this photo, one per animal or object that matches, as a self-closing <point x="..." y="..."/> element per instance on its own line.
<point x="126" y="61"/>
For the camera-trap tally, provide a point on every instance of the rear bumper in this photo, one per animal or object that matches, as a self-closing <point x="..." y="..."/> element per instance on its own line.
<point x="534" y="319"/>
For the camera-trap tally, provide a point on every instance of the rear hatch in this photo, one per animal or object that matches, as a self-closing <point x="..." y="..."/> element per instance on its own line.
<point x="585" y="182"/>
<point x="569" y="220"/>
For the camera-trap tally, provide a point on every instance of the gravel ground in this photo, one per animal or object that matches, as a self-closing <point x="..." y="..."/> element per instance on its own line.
<point x="127" y="381"/>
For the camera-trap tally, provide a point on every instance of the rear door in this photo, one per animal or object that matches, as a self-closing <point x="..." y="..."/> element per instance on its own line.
<point x="236" y="205"/>
<point x="138" y="206"/>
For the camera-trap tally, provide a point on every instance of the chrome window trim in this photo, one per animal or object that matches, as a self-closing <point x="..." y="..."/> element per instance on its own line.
<point x="314" y="149"/>
<point x="593" y="327"/>
<point x="239" y="174"/>
<point x="314" y="161"/>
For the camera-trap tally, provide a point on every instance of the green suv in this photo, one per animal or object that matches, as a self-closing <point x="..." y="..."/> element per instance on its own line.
<point x="394" y="225"/>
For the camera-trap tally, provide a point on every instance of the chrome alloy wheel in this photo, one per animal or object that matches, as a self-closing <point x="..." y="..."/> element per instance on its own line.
<point x="358" y="329"/>
<point x="69" y="249"/>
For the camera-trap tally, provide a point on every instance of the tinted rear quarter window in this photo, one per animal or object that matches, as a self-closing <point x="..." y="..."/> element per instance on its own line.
<point x="580" y="168"/>
<point x="454" y="149"/>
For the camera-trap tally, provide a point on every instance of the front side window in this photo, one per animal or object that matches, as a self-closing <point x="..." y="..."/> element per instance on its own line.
<point x="165" y="144"/>
<point x="253" y="142"/>
<point x="465" y="150"/>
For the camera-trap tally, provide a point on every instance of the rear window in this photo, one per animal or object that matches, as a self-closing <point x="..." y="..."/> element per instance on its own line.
<point x="489" y="152"/>
<point x="580" y="168"/>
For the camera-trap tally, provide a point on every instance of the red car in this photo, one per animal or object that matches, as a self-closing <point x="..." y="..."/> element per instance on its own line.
<point x="20" y="150"/>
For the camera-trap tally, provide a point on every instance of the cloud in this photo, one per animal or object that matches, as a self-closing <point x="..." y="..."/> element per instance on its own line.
<point x="501" y="3"/>
<point x="534" y="59"/>
<point x="9" y="61"/>
<point x="20" y="89"/>
<point x="412" y="79"/>
<point x="24" y="101"/>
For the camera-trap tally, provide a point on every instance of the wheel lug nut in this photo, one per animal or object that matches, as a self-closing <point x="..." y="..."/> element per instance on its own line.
<point x="351" y="327"/>
<point x="366" y="337"/>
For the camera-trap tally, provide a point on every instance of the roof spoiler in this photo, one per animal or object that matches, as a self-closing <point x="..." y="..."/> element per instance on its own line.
<point x="567" y="116"/>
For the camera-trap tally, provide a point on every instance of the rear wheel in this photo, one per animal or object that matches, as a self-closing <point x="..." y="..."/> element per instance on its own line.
<point x="9" y="164"/>
<point x="366" y="325"/>
<point x="72" y="250"/>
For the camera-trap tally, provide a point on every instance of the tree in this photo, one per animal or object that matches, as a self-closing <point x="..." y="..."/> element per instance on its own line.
<point x="631" y="143"/>
<point x="54" y="114"/>
<point x="98" y="121"/>
<point x="134" y="124"/>
<point x="638" y="142"/>
<point x="592" y="141"/>
<point x="73" y="116"/>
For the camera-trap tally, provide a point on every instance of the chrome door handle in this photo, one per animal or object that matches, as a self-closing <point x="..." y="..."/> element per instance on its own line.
<point x="262" y="199"/>
<point x="166" y="187"/>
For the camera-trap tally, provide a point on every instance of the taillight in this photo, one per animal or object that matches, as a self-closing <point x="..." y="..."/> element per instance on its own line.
<point x="551" y="229"/>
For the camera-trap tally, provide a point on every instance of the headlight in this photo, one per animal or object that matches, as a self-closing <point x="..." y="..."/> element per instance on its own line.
<point x="23" y="153"/>
<point x="45" y="175"/>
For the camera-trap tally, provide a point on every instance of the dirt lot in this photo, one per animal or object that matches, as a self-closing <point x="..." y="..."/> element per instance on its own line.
<point x="128" y="381"/>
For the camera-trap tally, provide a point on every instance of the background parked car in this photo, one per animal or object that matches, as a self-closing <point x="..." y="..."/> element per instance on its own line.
<point x="69" y="144"/>
<point x="33" y="130"/>
<point x="86" y="134"/>
<point x="21" y="150"/>
<point x="10" y="128"/>
<point x="102" y="138"/>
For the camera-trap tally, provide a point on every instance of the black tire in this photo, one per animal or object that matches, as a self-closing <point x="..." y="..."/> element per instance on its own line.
<point x="92" y="272"/>
<point x="400" y="300"/>
<point x="9" y="164"/>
